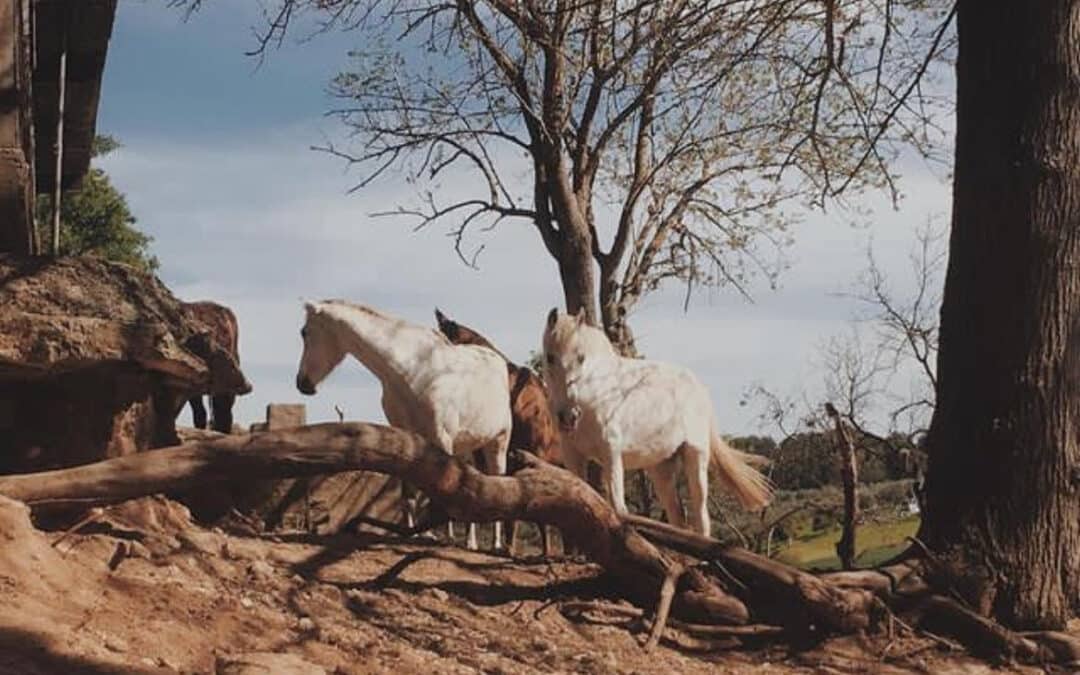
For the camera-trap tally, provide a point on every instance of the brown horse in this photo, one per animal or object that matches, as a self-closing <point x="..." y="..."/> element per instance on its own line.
<point x="534" y="428"/>
<point x="224" y="331"/>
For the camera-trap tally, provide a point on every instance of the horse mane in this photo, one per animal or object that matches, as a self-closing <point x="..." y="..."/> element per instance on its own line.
<point x="371" y="311"/>
<point x="567" y="328"/>
<point x="460" y="334"/>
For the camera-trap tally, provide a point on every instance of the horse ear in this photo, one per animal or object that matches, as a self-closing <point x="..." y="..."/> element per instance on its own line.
<point x="580" y="316"/>
<point x="553" y="315"/>
<point x="310" y="308"/>
<point x="440" y="318"/>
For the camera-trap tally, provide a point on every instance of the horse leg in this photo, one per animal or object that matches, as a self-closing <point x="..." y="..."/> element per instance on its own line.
<point x="662" y="476"/>
<point x="495" y="465"/>
<point x="198" y="412"/>
<point x="613" y="476"/>
<point x="696" y="469"/>
<point x="222" y="417"/>
<point x="397" y="415"/>
<point x="552" y="536"/>
<point x="515" y="538"/>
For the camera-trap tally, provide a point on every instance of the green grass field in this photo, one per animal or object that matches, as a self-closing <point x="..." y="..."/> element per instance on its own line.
<point x="874" y="542"/>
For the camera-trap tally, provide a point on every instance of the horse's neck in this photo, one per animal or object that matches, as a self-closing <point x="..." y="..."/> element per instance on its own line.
<point x="387" y="347"/>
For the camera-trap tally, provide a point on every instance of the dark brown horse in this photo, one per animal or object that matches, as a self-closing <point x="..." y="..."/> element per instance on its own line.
<point x="535" y="428"/>
<point x="225" y="332"/>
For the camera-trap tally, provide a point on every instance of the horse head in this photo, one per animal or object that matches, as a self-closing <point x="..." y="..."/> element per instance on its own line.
<point x="323" y="349"/>
<point x="568" y="343"/>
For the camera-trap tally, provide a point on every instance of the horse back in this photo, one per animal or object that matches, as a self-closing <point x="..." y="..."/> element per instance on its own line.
<point x="221" y="321"/>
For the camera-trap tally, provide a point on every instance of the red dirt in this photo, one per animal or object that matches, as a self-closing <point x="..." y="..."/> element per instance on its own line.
<point x="186" y="599"/>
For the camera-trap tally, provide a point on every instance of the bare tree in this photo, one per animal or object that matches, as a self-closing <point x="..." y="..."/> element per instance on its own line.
<point x="645" y="141"/>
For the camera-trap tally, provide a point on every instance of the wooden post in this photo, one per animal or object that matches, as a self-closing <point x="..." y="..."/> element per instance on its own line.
<point x="57" y="188"/>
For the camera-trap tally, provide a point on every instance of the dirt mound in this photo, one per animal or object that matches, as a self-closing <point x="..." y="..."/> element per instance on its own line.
<point x="95" y="360"/>
<point x="142" y="589"/>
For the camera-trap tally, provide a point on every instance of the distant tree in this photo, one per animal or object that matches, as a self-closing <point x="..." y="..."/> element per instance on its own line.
<point x="646" y="143"/>
<point x="95" y="218"/>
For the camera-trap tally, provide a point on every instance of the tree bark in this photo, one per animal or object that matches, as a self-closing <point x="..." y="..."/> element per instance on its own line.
<point x="613" y="315"/>
<point x="576" y="271"/>
<point x="538" y="493"/>
<point x="1004" y="474"/>
<point x="849" y="475"/>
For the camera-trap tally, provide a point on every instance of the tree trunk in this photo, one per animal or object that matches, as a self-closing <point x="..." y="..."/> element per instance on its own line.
<point x="849" y="476"/>
<point x="576" y="272"/>
<point x="1001" y="492"/>
<point x="613" y="314"/>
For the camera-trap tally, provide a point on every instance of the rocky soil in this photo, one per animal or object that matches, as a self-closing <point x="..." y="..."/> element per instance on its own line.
<point x="143" y="589"/>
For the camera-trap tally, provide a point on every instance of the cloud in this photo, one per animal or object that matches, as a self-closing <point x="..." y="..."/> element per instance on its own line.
<point x="263" y="224"/>
<point x="216" y="166"/>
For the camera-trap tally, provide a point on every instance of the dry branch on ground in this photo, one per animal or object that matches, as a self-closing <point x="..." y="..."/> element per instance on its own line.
<point x="710" y="583"/>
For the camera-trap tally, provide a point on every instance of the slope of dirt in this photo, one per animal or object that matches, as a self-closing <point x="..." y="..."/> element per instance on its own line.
<point x="142" y="589"/>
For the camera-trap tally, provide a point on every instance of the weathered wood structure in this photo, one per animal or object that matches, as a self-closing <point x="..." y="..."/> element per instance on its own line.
<point x="36" y="37"/>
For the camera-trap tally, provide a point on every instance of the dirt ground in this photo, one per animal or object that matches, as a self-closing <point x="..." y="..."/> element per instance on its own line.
<point x="145" y="590"/>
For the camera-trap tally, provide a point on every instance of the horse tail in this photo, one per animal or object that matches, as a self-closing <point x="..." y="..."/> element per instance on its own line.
<point x="750" y="486"/>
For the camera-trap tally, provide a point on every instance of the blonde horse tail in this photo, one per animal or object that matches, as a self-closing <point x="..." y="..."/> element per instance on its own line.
<point x="750" y="486"/>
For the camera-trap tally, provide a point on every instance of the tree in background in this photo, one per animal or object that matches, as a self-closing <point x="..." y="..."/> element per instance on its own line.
<point x="95" y="218"/>
<point x="645" y="142"/>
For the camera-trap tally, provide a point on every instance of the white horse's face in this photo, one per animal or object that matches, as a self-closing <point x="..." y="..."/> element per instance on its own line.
<point x="564" y="356"/>
<point x="322" y="351"/>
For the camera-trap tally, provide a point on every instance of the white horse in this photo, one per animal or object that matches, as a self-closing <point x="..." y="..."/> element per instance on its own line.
<point x="455" y="396"/>
<point x="627" y="414"/>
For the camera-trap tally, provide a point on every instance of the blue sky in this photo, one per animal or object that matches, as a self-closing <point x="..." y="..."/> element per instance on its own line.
<point x="217" y="167"/>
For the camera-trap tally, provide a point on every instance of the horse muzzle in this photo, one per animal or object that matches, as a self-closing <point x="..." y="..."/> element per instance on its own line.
<point x="305" y="385"/>
<point x="569" y="418"/>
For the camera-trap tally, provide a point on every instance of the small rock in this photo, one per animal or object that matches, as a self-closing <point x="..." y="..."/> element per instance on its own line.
<point x="439" y="594"/>
<point x="542" y="645"/>
<point x="137" y="550"/>
<point x="260" y="663"/>
<point x="115" y="645"/>
<point x="260" y="569"/>
<point x="246" y="603"/>
<point x="305" y="624"/>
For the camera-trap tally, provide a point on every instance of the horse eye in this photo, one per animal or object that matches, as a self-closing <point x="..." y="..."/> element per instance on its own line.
<point x="303" y="332"/>
<point x="550" y="359"/>
<point x="580" y="359"/>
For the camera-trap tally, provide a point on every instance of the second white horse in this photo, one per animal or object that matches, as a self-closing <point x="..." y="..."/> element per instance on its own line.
<point x="627" y="414"/>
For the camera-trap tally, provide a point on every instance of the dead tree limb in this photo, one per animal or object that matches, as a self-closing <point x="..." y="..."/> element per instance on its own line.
<point x="539" y="493"/>
<point x="849" y="474"/>
<point x="782" y="595"/>
<point x="743" y="586"/>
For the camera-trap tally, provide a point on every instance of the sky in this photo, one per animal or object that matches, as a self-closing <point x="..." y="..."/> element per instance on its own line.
<point x="217" y="167"/>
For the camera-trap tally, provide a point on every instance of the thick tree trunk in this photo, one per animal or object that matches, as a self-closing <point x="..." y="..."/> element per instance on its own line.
<point x="613" y="315"/>
<point x="1002" y="489"/>
<point x="576" y="273"/>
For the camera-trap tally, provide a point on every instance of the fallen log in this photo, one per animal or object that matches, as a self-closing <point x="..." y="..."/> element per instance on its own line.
<point x="781" y="594"/>
<point x="539" y="492"/>
<point x="638" y="553"/>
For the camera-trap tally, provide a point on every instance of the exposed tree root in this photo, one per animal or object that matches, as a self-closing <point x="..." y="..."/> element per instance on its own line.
<point x="712" y="593"/>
